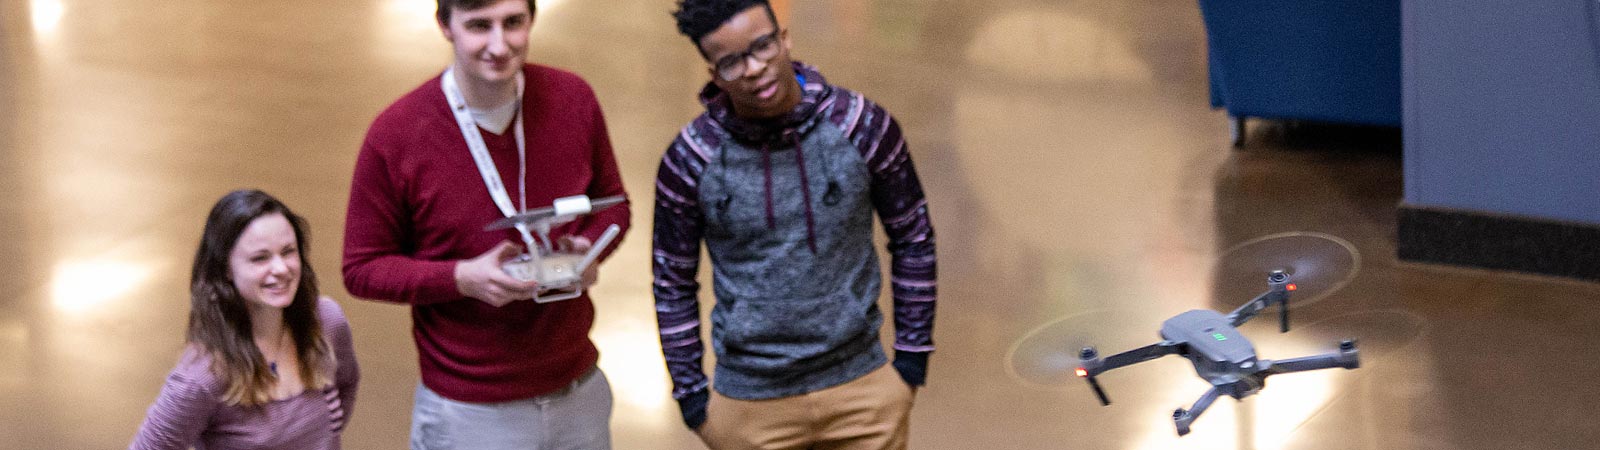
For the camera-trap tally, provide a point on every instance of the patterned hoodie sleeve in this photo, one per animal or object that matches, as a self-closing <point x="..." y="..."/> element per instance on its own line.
<point x="897" y="196"/>
<point x="679" y="225"/>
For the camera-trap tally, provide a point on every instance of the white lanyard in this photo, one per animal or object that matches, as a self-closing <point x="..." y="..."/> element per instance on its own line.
<point x="480" y="151"/>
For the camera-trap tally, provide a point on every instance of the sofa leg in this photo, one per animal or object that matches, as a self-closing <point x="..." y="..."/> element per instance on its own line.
<point x="1238" y="129"/>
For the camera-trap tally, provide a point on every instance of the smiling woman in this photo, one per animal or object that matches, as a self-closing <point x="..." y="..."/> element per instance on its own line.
<point x="260" y="339"/>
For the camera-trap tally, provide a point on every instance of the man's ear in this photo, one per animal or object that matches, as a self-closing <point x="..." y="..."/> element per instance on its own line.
<point x="783" y="36"/>
<point x="444" y="28"/>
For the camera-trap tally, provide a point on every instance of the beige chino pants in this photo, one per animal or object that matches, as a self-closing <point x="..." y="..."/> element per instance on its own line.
<point x="869" y="413"/>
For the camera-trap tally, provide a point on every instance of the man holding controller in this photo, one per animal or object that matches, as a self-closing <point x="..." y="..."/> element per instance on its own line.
<point x="490" y="137"/>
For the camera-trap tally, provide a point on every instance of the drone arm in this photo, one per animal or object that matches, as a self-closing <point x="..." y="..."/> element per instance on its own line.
<point x="1249" y="310"/>
<point x="1134" y="356"/>
<point x="1185" y="417"/>
<point x="1347" y="357"/>
<point x="1278" y="287"/>
<point x="1094" y="365"/>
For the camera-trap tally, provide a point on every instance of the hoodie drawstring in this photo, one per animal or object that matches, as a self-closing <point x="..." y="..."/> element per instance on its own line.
<point x="766" y="171"/>
<point x="805" y="191"/>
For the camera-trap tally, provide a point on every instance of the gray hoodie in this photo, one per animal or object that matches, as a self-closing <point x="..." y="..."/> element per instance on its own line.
<point x="786" y="211"/>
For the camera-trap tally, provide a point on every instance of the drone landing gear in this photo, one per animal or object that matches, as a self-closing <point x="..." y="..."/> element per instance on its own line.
<point x="1184" y="417"/>
<point x="1348" y="357"/>
<point x="1089" y="354"/>
<point x="1093" y="365"/>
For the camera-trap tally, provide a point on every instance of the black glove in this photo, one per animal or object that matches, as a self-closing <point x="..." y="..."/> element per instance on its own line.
<point x="913" y="367"/>
<point x="693" y="407"/>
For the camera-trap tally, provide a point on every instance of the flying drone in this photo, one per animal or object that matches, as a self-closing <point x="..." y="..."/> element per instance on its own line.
<point x="1220" y="354"/>
<point x="558" y="273"/>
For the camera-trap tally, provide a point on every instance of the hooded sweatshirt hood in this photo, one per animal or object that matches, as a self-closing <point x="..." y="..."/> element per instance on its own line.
<point x="779" y="133"/>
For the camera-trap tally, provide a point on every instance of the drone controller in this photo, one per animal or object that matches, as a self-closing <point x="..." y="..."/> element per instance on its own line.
<point x="559" y="274"/>
<point x="552" y="272"/>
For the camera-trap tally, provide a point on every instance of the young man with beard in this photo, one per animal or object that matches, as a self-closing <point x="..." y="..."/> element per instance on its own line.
<point x="781" y="178"/>
<point x="438" y="165"/>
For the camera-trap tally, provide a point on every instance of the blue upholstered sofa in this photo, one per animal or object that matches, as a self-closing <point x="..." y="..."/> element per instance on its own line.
<point x="1313" y="60"/>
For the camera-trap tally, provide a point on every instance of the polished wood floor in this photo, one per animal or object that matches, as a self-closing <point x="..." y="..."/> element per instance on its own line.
<point x="1082" y="190"/>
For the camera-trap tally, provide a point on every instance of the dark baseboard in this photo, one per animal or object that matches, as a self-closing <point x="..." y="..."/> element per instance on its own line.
<point x="1497" y="241"/>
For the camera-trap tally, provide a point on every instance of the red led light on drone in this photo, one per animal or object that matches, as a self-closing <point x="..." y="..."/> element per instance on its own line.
<point x="1292" y="287"/>
<point x="1082" y="372"/>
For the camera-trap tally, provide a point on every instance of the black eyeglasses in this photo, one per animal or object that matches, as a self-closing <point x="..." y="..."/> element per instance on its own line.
<point x="732" y="67"/>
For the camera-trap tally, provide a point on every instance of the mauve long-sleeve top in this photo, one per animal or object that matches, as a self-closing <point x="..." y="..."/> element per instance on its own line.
<point x="190" y="412"/>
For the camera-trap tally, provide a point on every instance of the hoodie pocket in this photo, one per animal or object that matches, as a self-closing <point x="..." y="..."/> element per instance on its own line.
<point x="780" y="336"/>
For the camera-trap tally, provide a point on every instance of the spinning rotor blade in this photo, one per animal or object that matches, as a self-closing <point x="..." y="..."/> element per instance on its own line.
<point x="1318" y="264"/>
<point x="1047" y="356"/>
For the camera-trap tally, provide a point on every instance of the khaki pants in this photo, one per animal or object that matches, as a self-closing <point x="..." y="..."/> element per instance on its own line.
<point x="869" y="413"/>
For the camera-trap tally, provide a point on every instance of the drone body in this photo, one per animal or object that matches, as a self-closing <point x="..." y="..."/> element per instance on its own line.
<point x="1220" y="354"/>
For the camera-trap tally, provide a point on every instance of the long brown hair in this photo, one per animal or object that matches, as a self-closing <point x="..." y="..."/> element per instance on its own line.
<point x="219" y="319"/>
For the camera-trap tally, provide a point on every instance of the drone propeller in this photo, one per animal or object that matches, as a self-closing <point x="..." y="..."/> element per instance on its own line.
<point x="1319" y="265"/>
<point x="1047" y="356"/>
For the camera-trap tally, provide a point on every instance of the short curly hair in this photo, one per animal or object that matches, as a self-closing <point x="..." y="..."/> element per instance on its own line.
<point x="697" y="18"/>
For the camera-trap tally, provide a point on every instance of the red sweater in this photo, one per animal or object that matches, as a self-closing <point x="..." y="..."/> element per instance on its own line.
<point x="418" y="205"/>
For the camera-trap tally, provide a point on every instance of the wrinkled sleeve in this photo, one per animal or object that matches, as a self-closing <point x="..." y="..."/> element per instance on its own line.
<point x="903" y="209"/>
<point x="377" y="264"/>
<point x="679" y="228"/>
<point x="178" y="417"/>
<point x="347" y="375"/>
<point x="606" y="182"/>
